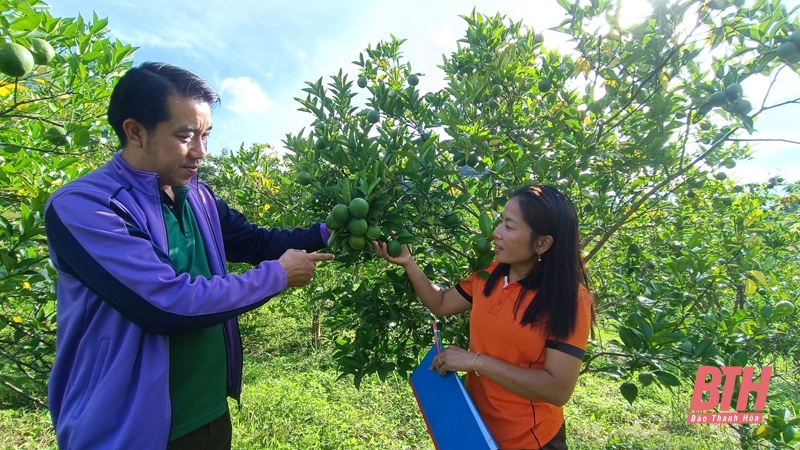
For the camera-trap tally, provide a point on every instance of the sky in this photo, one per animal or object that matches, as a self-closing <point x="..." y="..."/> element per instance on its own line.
<point x="258" y="54"/>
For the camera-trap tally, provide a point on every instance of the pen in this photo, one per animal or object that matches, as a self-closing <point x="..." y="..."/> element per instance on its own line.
<point x="437" y="337"/>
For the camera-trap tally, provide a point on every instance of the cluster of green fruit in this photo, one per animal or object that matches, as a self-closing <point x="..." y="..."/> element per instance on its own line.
<point x="373" y="115"/>
<point x="731" y="100"/>
<point x="781" y="309"/>
<point x="348" y="223"/>
<point x="789" y="51"/>
<point x="18" y="61"/>
<point x="412" y="80"/>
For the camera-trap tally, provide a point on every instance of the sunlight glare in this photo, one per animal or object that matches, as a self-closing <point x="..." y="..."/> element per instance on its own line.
<point x="633" y="12"/>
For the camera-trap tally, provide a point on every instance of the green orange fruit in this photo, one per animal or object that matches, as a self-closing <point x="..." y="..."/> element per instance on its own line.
<point x="42" y="51"/>
<point x="359" y="207"/>
<point x="496" y="90"/>
<point x="332" y="223"/>
<point x="743" y="106"/>
<point x="341" y="213"/>
<point x="357" y="227"/>
<point x="733" y="91"/>
<point x="413" y="80"/>
<point x="717" y="99"/>
<point x="483" y="246"/>
<point x="373" y="116"/>
<point x="451" y="219"/>
<point x="357" y="242"/>
<point x="721" y="176"/>
<point x="304" y="178"/>
<point x="15" y="60"/>
<point x="373" y="232"/>
<point x="394" y="248"/>
<point x="545" y="85"/>
<point x="787" y="50"/>
<point x="783" y="308"/>
<point x="362" y="82"/>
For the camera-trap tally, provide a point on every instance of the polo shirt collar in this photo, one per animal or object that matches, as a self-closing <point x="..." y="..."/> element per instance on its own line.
<point x="532" y="281"/>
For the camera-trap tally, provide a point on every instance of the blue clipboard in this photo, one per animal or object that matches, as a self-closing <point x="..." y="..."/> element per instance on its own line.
<point x="452" y="419"/>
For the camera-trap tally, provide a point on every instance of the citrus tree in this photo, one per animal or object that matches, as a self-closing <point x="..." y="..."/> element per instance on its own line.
<point x="256" y="182"/>
<point x="56" y="75"/>
<point x="637" y="126"/>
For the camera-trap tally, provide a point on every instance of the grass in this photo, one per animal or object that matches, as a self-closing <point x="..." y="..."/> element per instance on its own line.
<point x="293" y="400"/>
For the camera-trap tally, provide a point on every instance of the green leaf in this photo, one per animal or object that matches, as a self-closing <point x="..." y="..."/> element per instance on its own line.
<point x="627" y="336"/>
<point x="26" y="23"/>
<point x="758" y="275"/>
<point x="666" y="378"/>
<point x="747" y="121"/>
<point x="81" y="137"/>
<point x="485" y="224"/>
<point x="630" y="391"/>
<point x="646" y="379"/>
<point x="702" y="347"/>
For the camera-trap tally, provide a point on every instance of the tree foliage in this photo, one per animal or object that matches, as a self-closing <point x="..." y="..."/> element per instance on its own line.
<point x="52" y="130"/>
<point x="688" y="267"/>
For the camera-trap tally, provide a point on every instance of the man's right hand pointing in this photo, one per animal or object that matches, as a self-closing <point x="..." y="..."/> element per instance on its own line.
<point x="300" y="266"/>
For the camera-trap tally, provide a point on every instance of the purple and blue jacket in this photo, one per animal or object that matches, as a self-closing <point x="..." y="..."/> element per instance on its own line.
<point x="120" y="299"/>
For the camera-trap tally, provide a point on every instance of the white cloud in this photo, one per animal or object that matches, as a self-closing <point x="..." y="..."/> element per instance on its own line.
<point x="246" y="96"/>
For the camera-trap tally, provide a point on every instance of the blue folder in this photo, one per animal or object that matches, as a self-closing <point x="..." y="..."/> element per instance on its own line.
<point x="452" y="419"/>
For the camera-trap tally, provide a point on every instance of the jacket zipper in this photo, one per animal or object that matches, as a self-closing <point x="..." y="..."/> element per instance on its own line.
<point x="235" y="362"/>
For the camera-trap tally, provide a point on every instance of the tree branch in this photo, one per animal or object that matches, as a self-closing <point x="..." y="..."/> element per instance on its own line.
<point x="41" y="150"/>
<point x="22" y="393"/>
<point x="621" y="221"/>
<point x="764" y="140"/>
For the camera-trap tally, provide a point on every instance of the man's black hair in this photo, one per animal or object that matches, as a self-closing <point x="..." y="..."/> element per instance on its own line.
<point x="141" y="94"/>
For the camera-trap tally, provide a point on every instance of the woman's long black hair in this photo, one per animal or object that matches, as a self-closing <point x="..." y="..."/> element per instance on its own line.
<point x="561" y="272"/>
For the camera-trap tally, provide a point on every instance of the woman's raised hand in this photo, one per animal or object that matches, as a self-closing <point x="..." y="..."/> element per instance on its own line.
<point x="403" y="258"/>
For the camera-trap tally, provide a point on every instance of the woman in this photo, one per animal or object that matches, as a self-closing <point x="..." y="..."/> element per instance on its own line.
<point x="529" y="324"/>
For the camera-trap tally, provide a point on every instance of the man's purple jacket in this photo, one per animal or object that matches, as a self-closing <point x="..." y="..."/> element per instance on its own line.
<point x="119" y="300"/>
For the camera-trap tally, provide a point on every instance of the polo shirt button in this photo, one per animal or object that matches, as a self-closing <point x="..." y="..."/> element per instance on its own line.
<point x="505" y="291"/>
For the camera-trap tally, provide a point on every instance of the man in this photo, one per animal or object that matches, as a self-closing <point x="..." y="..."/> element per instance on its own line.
<point x="148" y="347"/>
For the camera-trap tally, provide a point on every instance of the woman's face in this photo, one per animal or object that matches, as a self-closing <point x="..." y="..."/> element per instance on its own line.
<point x="512" y="238"/>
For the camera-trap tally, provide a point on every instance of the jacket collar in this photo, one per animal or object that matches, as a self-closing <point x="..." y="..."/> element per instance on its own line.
<point x="142" y="181"/>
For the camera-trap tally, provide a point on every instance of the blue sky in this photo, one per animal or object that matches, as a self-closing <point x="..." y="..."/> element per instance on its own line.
<point x="257" y="54"/>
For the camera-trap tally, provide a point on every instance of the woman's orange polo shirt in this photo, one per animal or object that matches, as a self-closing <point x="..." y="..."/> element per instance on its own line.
<point x="515" y="422"/>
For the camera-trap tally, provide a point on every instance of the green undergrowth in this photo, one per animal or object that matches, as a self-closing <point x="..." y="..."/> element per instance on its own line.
<point x="293" y="399"/>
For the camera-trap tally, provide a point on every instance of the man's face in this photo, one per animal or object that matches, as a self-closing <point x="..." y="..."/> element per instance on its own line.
<point x="175" y="148"/>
